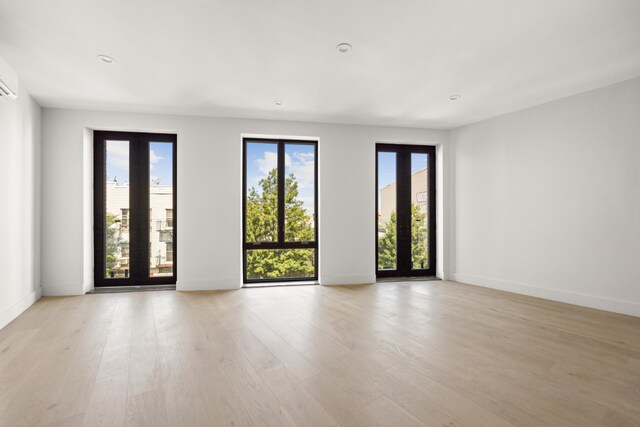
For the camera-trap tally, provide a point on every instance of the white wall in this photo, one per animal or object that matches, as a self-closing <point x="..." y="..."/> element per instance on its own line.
<point x="20" y="206"/>
<point x="547" y="200"/>
<point x="209" y="151"/>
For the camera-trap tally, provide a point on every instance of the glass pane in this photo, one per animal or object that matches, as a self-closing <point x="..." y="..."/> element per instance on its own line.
<point x="262" y="192"/>
<point x="387" y="211"/>
<point x="419" y="206"/>
<point x="280" y="263"/>
<point x="117" y="206"/>
<point x="160" y="209"/>
<point x="299" y="209"/>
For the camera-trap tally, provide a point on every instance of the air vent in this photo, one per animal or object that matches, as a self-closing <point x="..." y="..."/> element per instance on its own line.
<point x="6" y="92"/>
<point x="8" y="81"/>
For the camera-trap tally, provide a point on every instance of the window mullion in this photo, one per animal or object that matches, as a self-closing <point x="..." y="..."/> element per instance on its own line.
<point x="139" y="208"/>
<point x="281" y="191"/>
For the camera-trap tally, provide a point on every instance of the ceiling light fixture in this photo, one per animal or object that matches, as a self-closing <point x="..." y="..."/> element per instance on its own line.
<point x="106" y="59"/>
<point x="344" y="47"/>
<point x="278" y="102"/>
<point x="454" y="97"/>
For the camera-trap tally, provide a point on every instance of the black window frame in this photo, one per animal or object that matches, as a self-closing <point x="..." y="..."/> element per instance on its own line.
<point x="281" y="243"/>
<point x="139" y="219"/>
<point x="403" y="161"/>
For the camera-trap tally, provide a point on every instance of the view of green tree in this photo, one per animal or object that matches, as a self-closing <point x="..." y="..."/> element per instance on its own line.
<point x="387" y="243"/>
<point x="262" y="226"/>
<point x="113" y="242"/>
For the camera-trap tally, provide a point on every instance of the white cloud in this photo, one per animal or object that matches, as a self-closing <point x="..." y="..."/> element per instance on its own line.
<point x="302" y="167"/>
<point x="304" y="156"/>
<point x="118" y="154"/>
<point x="308" y="203"/>
<point x="267" y="163"/>
<point x="153" y="159"/>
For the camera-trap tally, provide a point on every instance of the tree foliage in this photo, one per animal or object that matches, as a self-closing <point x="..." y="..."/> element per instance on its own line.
<point x="112" y="243"/>
<point x="262" y="226"/>
<point x="387" y="254"/>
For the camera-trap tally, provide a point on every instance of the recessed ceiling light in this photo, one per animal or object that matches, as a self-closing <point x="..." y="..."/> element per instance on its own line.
<point x="344" y="47"/>
<point x="278" y="102"/>
<point x="454" y="97"/>
<point x="106" y="59"/>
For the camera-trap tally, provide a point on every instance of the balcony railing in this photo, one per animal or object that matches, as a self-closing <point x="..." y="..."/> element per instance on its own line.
<point x="164" y="225"/>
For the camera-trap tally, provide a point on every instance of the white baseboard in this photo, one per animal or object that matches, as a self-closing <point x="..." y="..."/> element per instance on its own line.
<point x="62" y="290"/>
<point x="208" y="285"/>
<point x="19" y="307"/>
<point x="443" y="275"/>
<point x="600" y="303"/>
<point x="347" y="280"/>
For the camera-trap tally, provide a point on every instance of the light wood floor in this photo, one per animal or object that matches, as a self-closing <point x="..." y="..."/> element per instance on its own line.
<point x="392" y="354"/>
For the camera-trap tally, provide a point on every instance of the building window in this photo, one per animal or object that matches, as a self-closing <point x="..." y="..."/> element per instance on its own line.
<point x="169" y="218"/>
<point x="280" y="211"/>
<point x="169" y="252"/>
<point x="125" y="219"/>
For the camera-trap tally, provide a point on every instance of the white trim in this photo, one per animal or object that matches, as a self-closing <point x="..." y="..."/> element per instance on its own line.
<point x="208" y="285"/>
<point x="62" y="290"/>
<point x="292" y="283"/>
<point x="87" y="215"/>
<point x="442" y="275"/>
<point x="347" y="280"/>
<point x="19" y="307"/>
<point x="591" y="301"/>
<point x="279" y="137"/>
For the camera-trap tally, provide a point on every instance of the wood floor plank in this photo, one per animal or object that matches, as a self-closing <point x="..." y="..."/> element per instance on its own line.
<point x="182" y="401"/>
<point x="389" y="414"/>
<point x="449" y="400"/>
<point x="259" y="401"/>
<point x="108" y="403"/>
<point x="344" y="407"/>
<point x="144" y="361"/>
<point x="73" y="421"/>
<point x="293" y="360"/>
<point x="304" y="409"/>
<point x="146" y="409"/>
<point x="348" y="374"/>
<point x="404" y="353"/>
<point x="223" y="405"/>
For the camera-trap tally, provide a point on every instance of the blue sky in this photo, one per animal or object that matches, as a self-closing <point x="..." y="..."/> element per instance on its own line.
<point x="387" y="168"/>
<point x="160" y="162"/>
<point x="261" y="158"/>
<point x="299" y="160"/>
<point x="118" y="161"/>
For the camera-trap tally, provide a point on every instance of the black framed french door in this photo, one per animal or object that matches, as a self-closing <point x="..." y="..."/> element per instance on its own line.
<point x="135" y="215"/>
<point x="405" y="210"/>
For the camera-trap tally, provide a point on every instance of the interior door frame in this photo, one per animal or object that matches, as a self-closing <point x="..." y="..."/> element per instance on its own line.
<point x="138" y="208"/>
<point x="403" y="152"/>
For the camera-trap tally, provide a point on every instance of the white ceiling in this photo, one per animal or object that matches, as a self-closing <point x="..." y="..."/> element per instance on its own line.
<point x="233" y="58"/>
